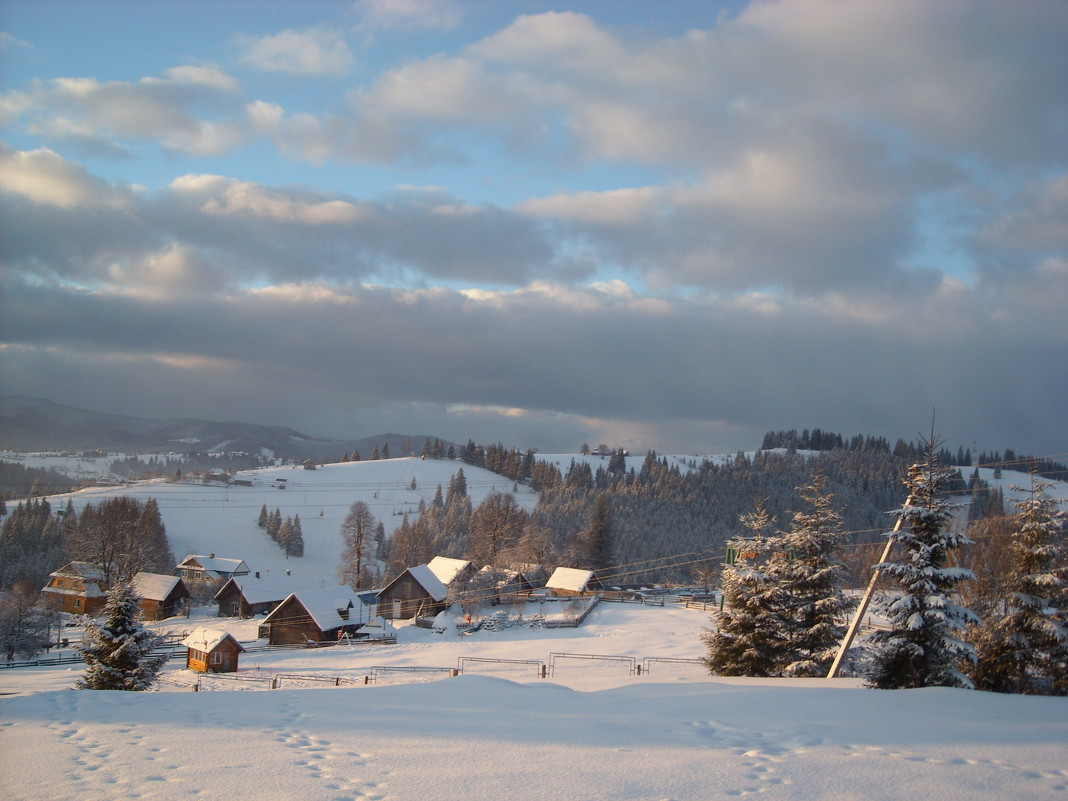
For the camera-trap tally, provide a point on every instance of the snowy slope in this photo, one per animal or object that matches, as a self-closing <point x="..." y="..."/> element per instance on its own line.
<point x="209" y="519"/>
<point x="591" y="732"/>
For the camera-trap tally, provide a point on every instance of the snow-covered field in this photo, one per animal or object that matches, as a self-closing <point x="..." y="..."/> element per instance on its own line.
<point x="592" y="730"/>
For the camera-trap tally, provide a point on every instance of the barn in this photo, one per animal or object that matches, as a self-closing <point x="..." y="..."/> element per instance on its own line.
<point x="416" y="592"/>
<point x="248" y="596"/>
<point x="311" y="617"/>
<point x="162" y="596"/>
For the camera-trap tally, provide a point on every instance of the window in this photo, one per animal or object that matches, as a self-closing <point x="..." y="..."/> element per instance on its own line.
<point x="216" y="658"/>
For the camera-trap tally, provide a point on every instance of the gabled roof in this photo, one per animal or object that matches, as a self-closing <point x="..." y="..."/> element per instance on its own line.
<point x="85" y="570"/>
<point x="206" y="639"/>
<point x="214" y="564"/>
<point x="570" y="578"/>
<point x="447" y="569"/>
<point x="272" y="587"/>
<point x="428" y="581"/>
<point x="154" y="586"/>
<point x="326" y="607"/>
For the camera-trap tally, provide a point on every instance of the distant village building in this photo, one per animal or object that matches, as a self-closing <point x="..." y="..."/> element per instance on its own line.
<point x="196" y="567"/>
<point x="212" y="651"/>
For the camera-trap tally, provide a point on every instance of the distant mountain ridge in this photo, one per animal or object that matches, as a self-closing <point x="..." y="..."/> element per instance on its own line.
<point x="34" y="424"/>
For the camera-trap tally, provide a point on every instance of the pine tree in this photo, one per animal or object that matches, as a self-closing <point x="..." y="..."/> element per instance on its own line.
<point x="262" y="521"/>
<point x="923" y="645"/>
<point x="295" y="546"/>
<point x="1025" y="649"/>
<point x="116" y="651"/>
<point x="749" y="638"/>
<point x="812" y="577"/>
<point x="593" y="546"/>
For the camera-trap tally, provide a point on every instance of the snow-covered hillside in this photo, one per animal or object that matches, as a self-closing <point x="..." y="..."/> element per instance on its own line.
<point x="205" y="518"/>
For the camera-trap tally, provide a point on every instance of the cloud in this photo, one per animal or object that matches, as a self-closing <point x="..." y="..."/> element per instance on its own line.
<point x="43" y="177"/>
<point x="60" y="220"/>
<point x="409" y="14"/>
<point x="316" y="51"/>
<point x="167" y="110"/>
<point x="550" y="353"/>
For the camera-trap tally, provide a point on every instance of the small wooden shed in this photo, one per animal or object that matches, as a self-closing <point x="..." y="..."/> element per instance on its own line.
<point x="212" y="651"/>
<point x="573" y="581"/>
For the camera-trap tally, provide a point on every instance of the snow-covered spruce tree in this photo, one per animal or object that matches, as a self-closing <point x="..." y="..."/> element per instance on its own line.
<point x="923" y="646"/>
<point x="1025" y="648"/>
<point x="811" y="575"/>
<point x="749" y="636"/>
<point x="116" y="650"/>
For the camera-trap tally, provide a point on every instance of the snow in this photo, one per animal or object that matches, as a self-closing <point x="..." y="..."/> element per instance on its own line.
<point x="222" y="520"/>
<point x="154" y="586"/>
<point x="591" y="730"/>
<point x="206" y="639"/>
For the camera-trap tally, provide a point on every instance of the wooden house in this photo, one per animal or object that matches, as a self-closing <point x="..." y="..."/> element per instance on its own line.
<point x="77" y="588"/>
<point x="573" y="581"/>
<point x="310" y="617"/>
<point x="196" y="567"/>
<point x="212" y="651"/>
<point x="415" y="592"/>
<point x="251" y="595"/>
<point x="161" y="596"/>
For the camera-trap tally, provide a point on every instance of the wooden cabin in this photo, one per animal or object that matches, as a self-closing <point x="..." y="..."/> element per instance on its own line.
<point x="415" y="592"/>
<point x="212" y="651"/>
<point x="161" y="596"/>
<point x="573" y="581"/>
<point x="311" y="617"/>
<point x="197" y="567"/>
<point x="78" y="588"/>
<point x="248" y="596"/>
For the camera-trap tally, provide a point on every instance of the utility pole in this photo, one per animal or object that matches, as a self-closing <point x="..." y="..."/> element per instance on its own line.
<point x="862" y="607"/>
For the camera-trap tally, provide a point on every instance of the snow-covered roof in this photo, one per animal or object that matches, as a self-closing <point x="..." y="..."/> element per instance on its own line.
<point x="207" y="639"/>
<point x="569" y="578"/>
<point x="86" y="570"/>
<point x="429" y="582"/>
<point x="446" y="569"/>
<point x="325" y="606"/>
<point x="215" y="564"/>
<point x="154" y="586"/>
<point x="264" y="589"/>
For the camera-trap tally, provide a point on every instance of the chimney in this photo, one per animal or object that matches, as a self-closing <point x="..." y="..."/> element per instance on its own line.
<point x="287" y="571"/>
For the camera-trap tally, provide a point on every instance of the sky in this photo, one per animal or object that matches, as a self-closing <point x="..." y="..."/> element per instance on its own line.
<point x="669" y="226"/>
